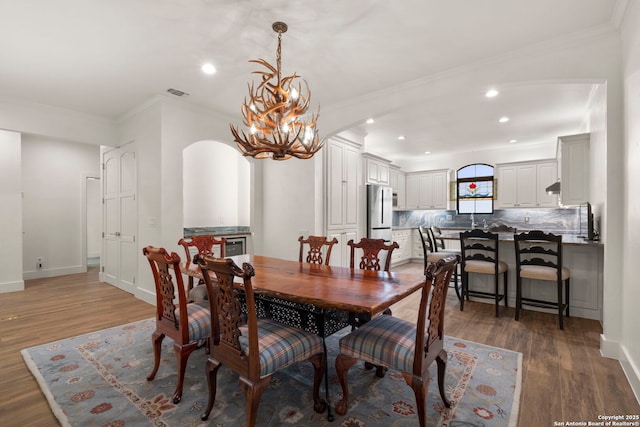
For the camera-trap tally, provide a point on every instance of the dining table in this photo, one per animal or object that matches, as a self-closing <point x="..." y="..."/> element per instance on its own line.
<point x="324" y="288"/>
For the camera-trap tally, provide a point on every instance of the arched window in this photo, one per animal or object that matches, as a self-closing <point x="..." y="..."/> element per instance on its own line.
<point x="475" y="190"/>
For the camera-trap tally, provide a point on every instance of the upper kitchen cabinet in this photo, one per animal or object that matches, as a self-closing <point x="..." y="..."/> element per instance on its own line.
<point x="522" y="185"/>
<point x="573" y="158"/>
<point x="427" y="190"/>
<point x="397" y="181"/>
<point x="342" y="185"/>
<point x="376" y="169"/>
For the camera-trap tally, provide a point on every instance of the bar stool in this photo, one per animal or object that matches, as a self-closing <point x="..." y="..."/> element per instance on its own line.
<point x="480" y="255"/>
<point x="539" y="257"/>
<point x="431" y="255"/>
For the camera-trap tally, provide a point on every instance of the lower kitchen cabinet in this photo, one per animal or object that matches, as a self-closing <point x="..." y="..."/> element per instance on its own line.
<point x="404" y="252"/>
<point x="341" y="253"/>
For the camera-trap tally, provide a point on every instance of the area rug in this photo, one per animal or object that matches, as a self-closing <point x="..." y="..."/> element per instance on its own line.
<point x="99" y="379"/>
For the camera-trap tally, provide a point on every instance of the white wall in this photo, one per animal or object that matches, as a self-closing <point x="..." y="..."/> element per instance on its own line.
<point x="53" y="204"/>
<point x="291" y="203"/>
<point x="215" y="186"/>
<point x="94" y="217"/>
<point x="11" y="212"/>
<point x="630" y="341"/>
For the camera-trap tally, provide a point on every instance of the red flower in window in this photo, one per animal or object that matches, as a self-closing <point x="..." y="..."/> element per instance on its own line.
<point x="472" y="186"/>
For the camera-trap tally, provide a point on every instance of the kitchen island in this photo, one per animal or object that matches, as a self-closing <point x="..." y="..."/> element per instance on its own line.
<point x="583" y="257"/>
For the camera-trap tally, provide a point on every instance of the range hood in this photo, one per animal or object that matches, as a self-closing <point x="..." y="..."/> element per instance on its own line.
<point x="553" y="188"/>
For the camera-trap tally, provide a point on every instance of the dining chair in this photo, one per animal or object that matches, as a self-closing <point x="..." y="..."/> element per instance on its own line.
<point x="402" y="345"/>
<point x="186" y="324"/>
<point x="371" y="250"/>
<point x="254" y="348"/>
<point x="431" y="255"/>
<point x="481" y="255"/>
<point x="539" y="257"/>
<point x="201" y="246"/>
<point x="319" y="251"/>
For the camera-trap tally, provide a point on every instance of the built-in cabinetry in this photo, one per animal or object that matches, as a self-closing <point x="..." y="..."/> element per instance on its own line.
<point x="376" y="169"/>
<point x="522" y="185"/>
<point x="397" y="181"/>
<point x="573" y="165"/>
<point x="404" y="252"/>
<point x="427" y="190"/>
<point x="343" y="159"/>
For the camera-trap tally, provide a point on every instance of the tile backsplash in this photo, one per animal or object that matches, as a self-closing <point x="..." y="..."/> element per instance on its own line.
<point x="560" y="220"/>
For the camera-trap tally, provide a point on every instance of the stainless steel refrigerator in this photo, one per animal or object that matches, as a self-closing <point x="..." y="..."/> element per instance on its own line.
<point x="379" y="212"/>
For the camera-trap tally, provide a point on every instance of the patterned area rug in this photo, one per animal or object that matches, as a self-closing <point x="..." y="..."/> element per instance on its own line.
<point x="98" y="379"/>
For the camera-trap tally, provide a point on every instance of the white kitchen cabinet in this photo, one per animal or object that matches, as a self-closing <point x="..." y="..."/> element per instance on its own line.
<point x="427" y="190"/>
<point x="404" y="252"/>
<point x="343" y="160"/>
<point x="573" y="158"/>
<point x="376" y="169"/>
<point x="342" y="186"/>
<point x="522" y="185"/>
<point x="341" y="253"/>
<point x="397" y="181"/>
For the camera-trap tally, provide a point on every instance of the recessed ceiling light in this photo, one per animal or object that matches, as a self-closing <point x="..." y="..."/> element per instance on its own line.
<point x="427" y="152"/>
<point x="513" y="140"/>
<point x="491" y="93"/>
<point x="401" y="138"/>
<point x="369" y="121"/>
<point x="208" y="68"/>
<point x="504" y="119"/>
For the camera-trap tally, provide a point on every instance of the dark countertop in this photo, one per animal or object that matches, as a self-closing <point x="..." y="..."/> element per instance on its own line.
<point x="567" y="238"/>
<point x="216" y="231"/>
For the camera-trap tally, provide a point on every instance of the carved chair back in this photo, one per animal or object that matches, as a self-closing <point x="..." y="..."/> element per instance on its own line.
<point x="319" y="249"/>
<point x="204" y="246"/>
<point x="371" y="248"/>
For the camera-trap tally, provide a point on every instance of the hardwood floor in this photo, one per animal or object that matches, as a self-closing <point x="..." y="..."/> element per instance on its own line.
<point x="564" y="376"/>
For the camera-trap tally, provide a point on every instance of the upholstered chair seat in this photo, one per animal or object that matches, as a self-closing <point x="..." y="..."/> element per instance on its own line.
<point x="485" y="267"/>
<point x="538" y="272"/>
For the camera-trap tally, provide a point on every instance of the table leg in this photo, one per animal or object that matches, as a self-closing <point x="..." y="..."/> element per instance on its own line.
<point x="330" y="417"/>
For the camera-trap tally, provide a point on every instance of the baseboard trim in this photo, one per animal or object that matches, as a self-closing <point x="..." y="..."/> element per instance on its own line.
<point x="146" y="296"/>
<point x="610" y="349"/>
<point x="632" y="371"/>
<point x="12" y="286"/>
<point x="54" y="272"/>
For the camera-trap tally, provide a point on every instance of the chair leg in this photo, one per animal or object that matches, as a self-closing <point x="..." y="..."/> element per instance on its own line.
<point x="496" y="279"/>
<point x="211" y="371"/>
<point x="567" y="293"/>
<point x="156" y="340"/>
<point x="464" y="277"/>
<point x="441" y="361"/>
<point x="343" y="363"/>
<point x="518" y="295"/>
<point x="560" y="306"/>
<point x="253" y="392"/>
<point x="182" y="354"/>
<point x="506" y="288"/>
<point x="319" y="362"/>
<point x="419" y="386"/>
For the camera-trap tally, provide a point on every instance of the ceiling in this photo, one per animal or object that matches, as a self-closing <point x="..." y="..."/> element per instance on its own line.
<point x="105" y="58"/>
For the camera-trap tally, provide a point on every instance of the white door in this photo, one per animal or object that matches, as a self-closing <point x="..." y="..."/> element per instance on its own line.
<point x="120" y="255"/>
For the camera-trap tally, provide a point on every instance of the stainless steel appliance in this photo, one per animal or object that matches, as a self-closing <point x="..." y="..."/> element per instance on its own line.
<point x="235" y="246"/>
<point x="379" y="211"/>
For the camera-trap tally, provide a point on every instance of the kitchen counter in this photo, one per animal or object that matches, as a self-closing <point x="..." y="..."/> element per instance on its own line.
<point x="216" y="231"/>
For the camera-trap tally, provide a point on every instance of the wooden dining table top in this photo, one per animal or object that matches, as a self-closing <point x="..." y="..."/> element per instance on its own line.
<point x="325" y="286"/>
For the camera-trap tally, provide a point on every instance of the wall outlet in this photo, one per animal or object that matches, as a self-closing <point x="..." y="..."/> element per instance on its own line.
<point x="39" y="263"/>
<point x="526" y="219"/>
<point x="449" y="217"/>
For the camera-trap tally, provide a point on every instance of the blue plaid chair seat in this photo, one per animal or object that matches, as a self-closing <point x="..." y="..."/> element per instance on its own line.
<point x="280" y="345"/>
<point x="384" y="340"/>
<point x="199" y="322"/>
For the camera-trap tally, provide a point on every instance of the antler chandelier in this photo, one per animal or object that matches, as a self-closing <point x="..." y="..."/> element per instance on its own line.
<point x="276" y="114"/>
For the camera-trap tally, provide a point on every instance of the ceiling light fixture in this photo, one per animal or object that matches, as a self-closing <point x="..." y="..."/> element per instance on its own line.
<point x="370" y="121"/>
<point x="503" y="119"/>
<point x="276" y="114"/>
<point x="401" y="138"/>
<point x="491" y="93"/>
<point x="513" y="140"/>
<point x="208" y="69"/>
<point x="427" y="152"/>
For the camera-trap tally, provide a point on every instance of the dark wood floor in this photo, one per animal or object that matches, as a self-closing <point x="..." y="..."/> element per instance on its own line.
<point x="564" y="376"/>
